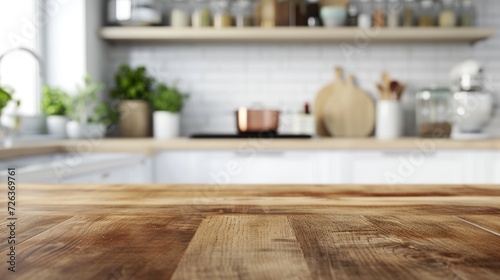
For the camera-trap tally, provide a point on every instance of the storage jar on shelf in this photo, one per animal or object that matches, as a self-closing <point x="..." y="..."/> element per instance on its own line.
<point x="434" y="115"/>
<point x="180" y="14"/>
<point x="201" y="16"/>
<point x="365" y="14"/>
<point x="428" y="13"/>
<point x="468" y="14"/>
<point x="448" y="14"/>
<point x="379" y="13"/>
<point x="410" y="9"/>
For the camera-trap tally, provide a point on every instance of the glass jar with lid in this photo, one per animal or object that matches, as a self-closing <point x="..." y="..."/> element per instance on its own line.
<point x="428" y="13"/>
<point x="468" y="14"/>
<point x="242" y="12"/>
<point x="434" y="118"/>
<point x="379" y="13"/>
<point x="448" y="14"/>
<point x="410" y="9"/>
<point x="180" y="14"/>
<point x="365" y="13"/>
<point x="394" y="8"/>
<point x="201" y="16"/>
<point x="221" y="11"/>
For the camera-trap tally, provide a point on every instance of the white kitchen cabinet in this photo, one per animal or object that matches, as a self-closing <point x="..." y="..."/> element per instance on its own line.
<point x="234" y="167"/>
<point x="413" y="167"/>
<point x="495" y="168"/>
<point x="136" y="173"/>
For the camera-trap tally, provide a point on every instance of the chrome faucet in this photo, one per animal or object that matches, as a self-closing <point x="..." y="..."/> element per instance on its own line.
<point x="40" y="68"/>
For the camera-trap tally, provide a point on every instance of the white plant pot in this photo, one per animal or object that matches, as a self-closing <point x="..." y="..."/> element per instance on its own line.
<point x="56" y="125"/>
<point x="389" y="120"/>
<point x="166" y="125"/>
<point x="76" y="130"/>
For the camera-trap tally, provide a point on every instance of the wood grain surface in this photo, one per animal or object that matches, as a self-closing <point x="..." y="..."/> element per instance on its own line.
<point x="255" y="232"/>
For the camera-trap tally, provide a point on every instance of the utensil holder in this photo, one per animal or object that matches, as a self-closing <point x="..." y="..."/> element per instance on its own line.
<point x="389" y="120"/>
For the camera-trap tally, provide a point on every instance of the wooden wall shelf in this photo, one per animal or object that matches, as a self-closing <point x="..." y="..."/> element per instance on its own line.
<point x="295" y="35"/>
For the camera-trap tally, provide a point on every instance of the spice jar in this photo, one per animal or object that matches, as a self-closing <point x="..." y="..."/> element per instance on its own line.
<point x="410" y="9"/>
<point x="352" y="14"/>
<point x="267" y="13"/>
<point x="394" y="13"/>
<point x="312" y="13"/>
<point x="468" y="14"/>
<point x="179" y="16"/>
<point x="379" y="13"/>
<point x="201" y="16"/>
<point x="428" y="12"/>
<point x="448" y="14"/>
<point x="243" y="13"/>
<point x="365" y="14"/>
<point x="222" y="15"/>
<point x="434" y="118"/>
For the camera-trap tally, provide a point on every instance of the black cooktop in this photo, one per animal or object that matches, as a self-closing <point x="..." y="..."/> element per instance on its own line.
<point x="249" y="135"/>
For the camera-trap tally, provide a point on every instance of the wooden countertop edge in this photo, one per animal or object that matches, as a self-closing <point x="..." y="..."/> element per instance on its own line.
<point x="151" y="146"/>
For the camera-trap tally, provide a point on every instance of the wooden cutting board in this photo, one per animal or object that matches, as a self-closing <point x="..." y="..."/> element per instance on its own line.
<point x="349" y="112"/>
<point x="321" y="98"/>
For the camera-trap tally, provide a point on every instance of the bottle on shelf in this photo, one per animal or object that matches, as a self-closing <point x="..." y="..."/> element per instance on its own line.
<point x="242" y="11"/>
<point x="267" y="13"/>
<point x="179" y="15"/>
<point x="379" y="13"/>
<point x="312" y="11"/>
<point x="352" y="13"/>
<point x="365" y="14"/>
<point x="221" y="14"/>
<point x="410" y="9"/>
<point x="201" y="16"/>
<point x="468" y="14"/>
<point x="428" y="13"/>
<point x="394" y="8"/>
<point x="448" y="14"/>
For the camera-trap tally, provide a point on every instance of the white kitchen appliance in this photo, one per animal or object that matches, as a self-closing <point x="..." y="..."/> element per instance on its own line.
<point x="472" y="102"/>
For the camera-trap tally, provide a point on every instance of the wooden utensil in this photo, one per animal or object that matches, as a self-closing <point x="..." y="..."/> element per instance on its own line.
<point x="321" y="99"/>
<point x="349" y="112"/>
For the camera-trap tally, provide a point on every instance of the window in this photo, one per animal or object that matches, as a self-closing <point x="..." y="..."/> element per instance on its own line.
<point x="19" y="70"/>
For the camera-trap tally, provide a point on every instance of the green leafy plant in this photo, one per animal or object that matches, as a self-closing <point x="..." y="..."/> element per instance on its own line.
<point x="167" y="99"/>
<point x="55" y="102"/>
<point x="132" y="84"/>
<point x="5" y="97"/>
<point x="86" y="106"/>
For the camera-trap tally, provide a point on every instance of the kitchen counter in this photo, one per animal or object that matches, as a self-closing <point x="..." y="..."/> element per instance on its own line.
<point x="151" y="146"/>
<point x="255" y="232"/>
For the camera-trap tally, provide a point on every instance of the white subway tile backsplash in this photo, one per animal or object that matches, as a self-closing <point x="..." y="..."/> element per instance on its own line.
<point x="222" y="77"/>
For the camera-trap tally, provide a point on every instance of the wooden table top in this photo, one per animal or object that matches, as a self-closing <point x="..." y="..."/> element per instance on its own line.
<point x="254" y="232"/>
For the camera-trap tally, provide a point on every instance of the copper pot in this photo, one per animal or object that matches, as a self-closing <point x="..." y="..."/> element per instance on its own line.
<point x="257" y="120"/>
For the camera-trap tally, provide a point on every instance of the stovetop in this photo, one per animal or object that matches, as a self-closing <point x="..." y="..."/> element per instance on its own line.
<point x="249" y="135"/>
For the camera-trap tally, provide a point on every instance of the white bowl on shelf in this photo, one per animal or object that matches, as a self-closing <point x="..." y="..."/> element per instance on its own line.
<point x="333" y="16"/>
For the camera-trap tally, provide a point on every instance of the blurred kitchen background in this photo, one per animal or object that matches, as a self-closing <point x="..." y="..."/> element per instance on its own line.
<point x="74" y="38"/>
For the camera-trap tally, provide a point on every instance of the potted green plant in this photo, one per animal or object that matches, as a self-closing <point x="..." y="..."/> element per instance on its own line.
<point x="55" y="103"/>
<point x="89" y="116"/>
<point x="167" y="103"/>
<point x="5" y="98"/>
<point x="10" y="124"/>
<point x="133" y="89"/>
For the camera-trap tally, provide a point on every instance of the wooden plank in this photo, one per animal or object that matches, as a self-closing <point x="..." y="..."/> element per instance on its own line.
<point x="243" y="247"/>
<point x="28" y="226"/>
<point x="468" y="251"/>
<point x="297" y="34"/>
<point x="350" y="247"/>
<point x="110" y="247"/>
